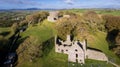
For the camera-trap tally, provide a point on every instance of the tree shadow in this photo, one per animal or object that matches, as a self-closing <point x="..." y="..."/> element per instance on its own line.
<point x="111" y="36"/>
<point x="47" y="46"/>
<point x="21" y="40"/>
<point x="5" y="33"/>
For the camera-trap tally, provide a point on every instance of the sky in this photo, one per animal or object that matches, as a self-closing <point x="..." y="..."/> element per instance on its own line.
<point x="58" y="4"/>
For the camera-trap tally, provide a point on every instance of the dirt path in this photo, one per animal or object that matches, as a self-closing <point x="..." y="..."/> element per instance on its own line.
<point x="113" y="64"/>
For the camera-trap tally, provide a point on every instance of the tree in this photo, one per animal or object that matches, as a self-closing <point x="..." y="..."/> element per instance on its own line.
<point x="64" y="27"/>
<point x="113" y="28"/>
<point x="23" y="23"/>
<point x="36" y="17"/>
<point x="112" y="22"/>
<point x="60" y="14"/>
<point x="33" y="18"/>
<point x="117" y="51"/>
<point x="70" y="26"/>
<point x="94" y="21"/>
<point x="14" y="28"/>
<point x="118" y="39"/>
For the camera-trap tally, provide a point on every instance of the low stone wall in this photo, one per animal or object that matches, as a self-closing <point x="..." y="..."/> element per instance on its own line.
<point x="96" y="55"/>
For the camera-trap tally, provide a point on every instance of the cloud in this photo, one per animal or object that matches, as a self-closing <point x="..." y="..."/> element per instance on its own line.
<point x="70" y="2"/>
<point x="21" y="2"/>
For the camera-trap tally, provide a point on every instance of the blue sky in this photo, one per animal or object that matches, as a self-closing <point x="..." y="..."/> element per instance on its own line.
<point x="21" y="4"/>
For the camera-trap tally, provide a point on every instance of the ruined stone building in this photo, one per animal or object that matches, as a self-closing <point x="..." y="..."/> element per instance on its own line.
<point x="78" y="51"/>
<point x="53" y="16"/>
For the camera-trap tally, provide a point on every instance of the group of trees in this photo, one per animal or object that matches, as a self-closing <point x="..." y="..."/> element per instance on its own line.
<point x="90" y="21"/>
<point x="79" y="26"/>
<point x="113" y="29"/>
<point x="68" y="25"/>
<point x="61" y="13"/>
<point x="94" y="21"/>
<point x="30" y="19"/>
<point x="36" y="17"/>
<point x="29" y="49"/>
<point x="33" y="19"/>
<point x="7" y="18"/>
<point x="112" y="22"/>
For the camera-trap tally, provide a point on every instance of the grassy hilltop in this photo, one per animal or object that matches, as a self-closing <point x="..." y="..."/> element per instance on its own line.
<point x="35" y="47"/>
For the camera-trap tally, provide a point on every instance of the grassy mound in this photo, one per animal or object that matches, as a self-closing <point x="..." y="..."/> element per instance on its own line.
<point x="46" y="31"/>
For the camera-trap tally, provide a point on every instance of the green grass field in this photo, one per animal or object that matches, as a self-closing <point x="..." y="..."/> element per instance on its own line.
<point x="108" y="12"/>
<point x="91" y="63"/>
<point x="100" y="43"/>
<point x="45" y="31"/>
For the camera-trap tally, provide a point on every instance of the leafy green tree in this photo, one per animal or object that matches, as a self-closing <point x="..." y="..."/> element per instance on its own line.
<point x="36" y="17"/>
<point x="70" y="26"/>
<point x="94" y="21"/>
<point x="14" y="28"/>
<point x="118" y="39"/>
<point x="32" y="18"/>
<point x="117" y="51"/>
<point x="112" y="22"/>
<point x="60" y="14"/>
<point x="23" y="23"/>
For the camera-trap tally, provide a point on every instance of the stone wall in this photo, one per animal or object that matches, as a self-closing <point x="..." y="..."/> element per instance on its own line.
<point x="77" y="51"/>
<point x="74" y="51"/>
<point x="53" y="16"/>
<point x="96" y="55"/>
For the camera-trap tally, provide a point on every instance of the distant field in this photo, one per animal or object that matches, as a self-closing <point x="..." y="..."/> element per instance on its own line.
<point x="108" y="12"/>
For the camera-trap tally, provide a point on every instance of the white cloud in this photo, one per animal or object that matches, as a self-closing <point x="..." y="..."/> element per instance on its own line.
<point x="22" y="2"/>
<point x="70" y="2"/>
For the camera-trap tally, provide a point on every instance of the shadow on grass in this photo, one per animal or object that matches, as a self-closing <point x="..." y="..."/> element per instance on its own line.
<point x="21" y="40"/>
<point x="47" y="46"/>
<point x="111" y="38"/>
<point x="5" y="33"/>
